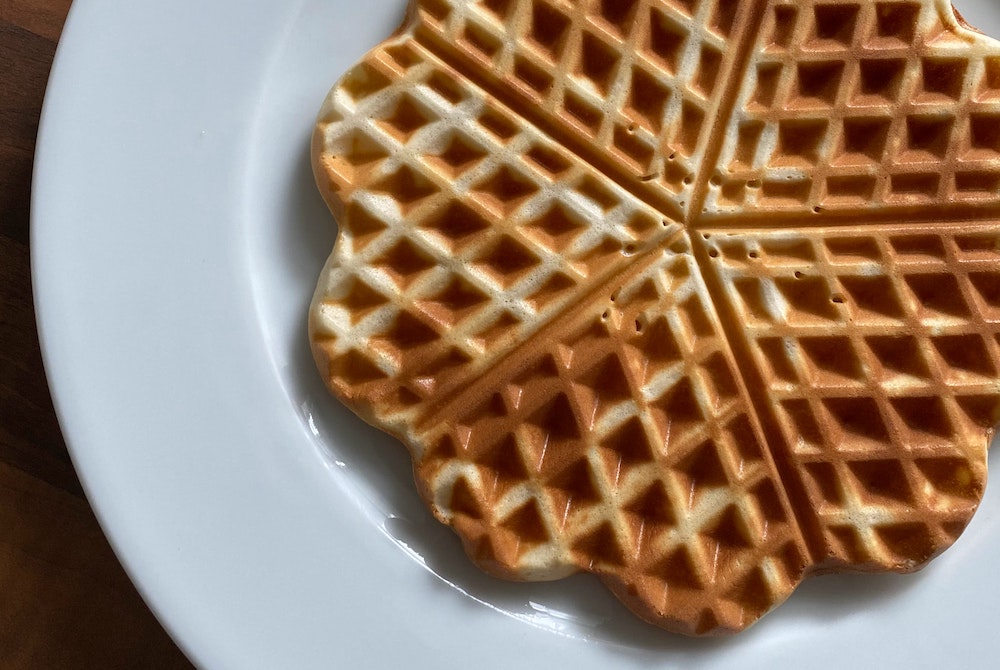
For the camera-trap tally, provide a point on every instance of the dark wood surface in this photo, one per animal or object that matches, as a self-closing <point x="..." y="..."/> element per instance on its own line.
<point x="65" y="601"/>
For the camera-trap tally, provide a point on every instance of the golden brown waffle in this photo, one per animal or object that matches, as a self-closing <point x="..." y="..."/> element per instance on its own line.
<point x="697" y="295"/>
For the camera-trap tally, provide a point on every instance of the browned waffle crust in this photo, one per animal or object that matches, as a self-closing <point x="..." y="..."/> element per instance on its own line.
<point x="696" y="295"/>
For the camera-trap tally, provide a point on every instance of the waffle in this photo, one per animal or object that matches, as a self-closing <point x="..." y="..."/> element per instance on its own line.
<point x="700" y="296"/>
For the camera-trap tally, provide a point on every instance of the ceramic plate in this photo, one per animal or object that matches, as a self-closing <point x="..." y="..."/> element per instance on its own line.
<point x="176" y="239"/>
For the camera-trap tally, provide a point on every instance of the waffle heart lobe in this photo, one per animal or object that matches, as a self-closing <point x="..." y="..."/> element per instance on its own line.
<point x="700" y="296"/>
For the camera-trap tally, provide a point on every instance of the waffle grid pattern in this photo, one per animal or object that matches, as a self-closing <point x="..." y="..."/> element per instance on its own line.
<point x="881" y="352"/>
<point x="861" y="106"/>
<point x="432" y="158"/>
<point x="595" y="363"/>
<point x="629" y="463"/>
<point x="639" y="80"/>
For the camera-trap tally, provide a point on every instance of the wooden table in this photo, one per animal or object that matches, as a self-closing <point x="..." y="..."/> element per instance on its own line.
<point x="65" y="601"/>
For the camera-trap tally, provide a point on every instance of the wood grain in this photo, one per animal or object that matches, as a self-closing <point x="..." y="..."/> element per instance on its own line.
<point x="65" y="601"/>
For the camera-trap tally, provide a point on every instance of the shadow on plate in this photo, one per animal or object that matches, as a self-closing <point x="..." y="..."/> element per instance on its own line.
<point x="578" y="606"/>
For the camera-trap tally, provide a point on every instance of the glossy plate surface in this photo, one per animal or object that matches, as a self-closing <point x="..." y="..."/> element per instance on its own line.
<point x="176" y="239"/>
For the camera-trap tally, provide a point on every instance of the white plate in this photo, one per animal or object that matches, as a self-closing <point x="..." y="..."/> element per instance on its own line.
<point x="176" y="238"/>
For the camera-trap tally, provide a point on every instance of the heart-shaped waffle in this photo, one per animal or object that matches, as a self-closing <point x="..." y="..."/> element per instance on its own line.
<point x="700" y="296"/>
